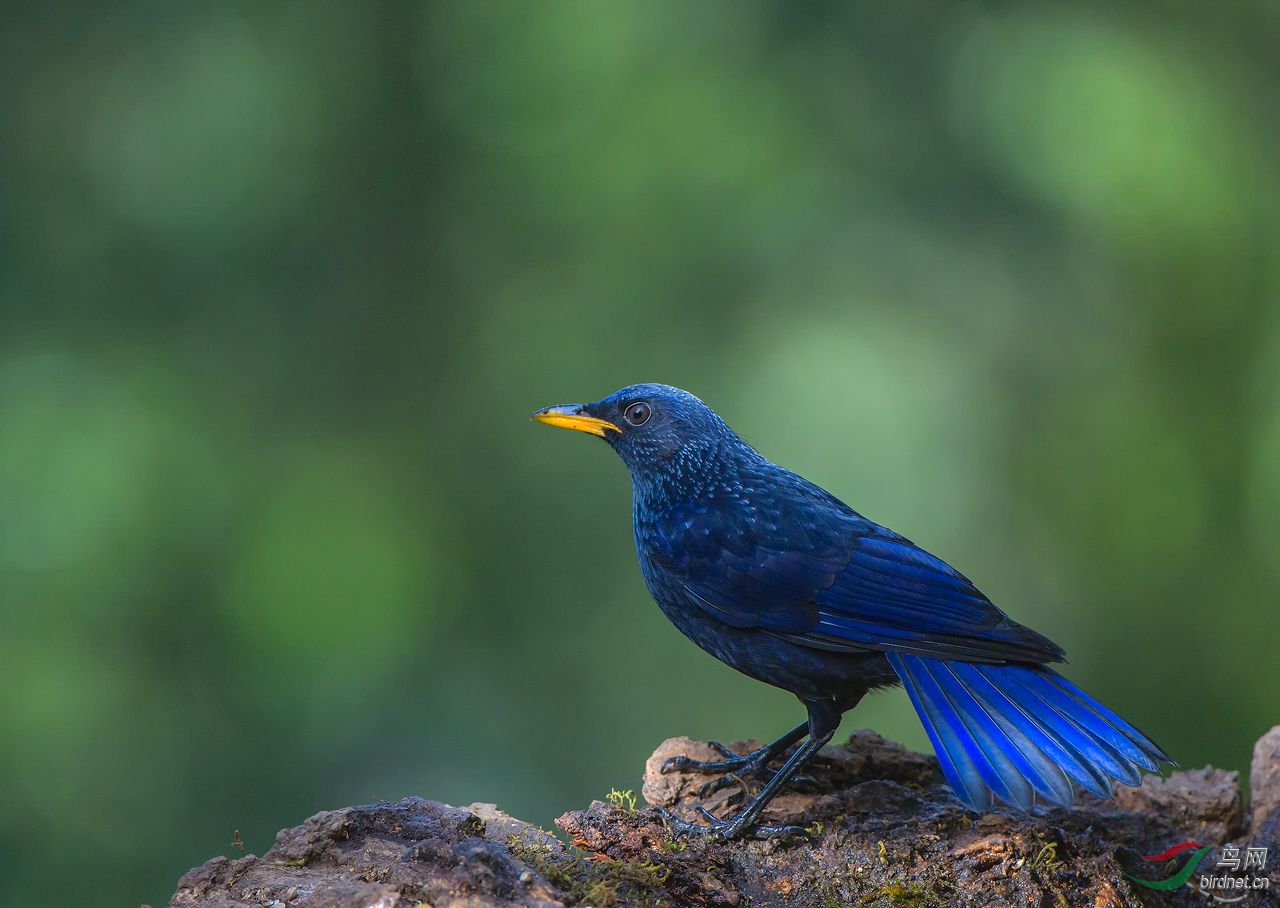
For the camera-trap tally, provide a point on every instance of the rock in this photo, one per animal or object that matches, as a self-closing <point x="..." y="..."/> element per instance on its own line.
<point x="886" y="830"/>
<point x="411" y="853"/>
<point x="1264" y="787"/>
<point x="1205" y="804"/>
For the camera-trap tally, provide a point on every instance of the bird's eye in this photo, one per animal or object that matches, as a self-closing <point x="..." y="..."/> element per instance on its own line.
<point x="637" y="413"/>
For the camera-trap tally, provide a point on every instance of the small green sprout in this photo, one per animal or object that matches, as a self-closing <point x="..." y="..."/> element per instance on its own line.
<point x="624" y="799"/>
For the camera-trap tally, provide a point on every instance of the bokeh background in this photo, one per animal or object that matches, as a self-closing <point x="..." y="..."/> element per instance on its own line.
<point x="280" y="284"/>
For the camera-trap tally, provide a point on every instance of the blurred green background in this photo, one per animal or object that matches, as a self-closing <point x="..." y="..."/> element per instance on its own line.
<point x="280" y="284"/>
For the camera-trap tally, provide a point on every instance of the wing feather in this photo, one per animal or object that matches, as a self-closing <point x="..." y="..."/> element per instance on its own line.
<point x="828" y="578"/>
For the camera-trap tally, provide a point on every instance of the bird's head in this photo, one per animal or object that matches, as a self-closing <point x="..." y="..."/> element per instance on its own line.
<point x="656" y="429"/>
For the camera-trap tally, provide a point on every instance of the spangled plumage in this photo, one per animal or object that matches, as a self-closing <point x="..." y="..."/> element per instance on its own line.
<point x="777" y="553"/>
<point x="784" y="582"/>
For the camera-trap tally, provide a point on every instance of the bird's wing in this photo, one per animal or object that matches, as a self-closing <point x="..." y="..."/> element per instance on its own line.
<point x="817" y="574"/>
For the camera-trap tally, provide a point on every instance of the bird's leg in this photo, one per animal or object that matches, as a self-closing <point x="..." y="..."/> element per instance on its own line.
<point x="824" y="718"/>
<point x="735" y="765"/>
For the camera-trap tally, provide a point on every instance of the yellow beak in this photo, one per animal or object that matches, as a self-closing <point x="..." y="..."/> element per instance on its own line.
<point x="570" y="416"/>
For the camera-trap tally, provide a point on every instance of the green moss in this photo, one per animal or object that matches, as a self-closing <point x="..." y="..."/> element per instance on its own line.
<point x="911" y="895"/>
<point x="600" y="884"/>
<point x="1046" y="857"/>
<point x="904" y="894"/>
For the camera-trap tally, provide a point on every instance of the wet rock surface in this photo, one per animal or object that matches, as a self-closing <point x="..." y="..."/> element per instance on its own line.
<point x="885" y="830"/>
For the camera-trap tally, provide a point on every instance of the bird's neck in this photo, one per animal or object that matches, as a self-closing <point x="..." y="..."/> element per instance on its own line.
<point x="693" y="472"/>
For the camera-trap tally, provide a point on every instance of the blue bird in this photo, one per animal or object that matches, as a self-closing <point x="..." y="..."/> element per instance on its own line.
<point x="789" y="585"/>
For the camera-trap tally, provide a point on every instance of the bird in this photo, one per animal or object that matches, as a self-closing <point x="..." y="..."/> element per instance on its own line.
<point x="787" y="584"/>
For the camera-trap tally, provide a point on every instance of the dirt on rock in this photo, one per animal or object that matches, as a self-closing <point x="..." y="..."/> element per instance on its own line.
<point x="884" y="828"/>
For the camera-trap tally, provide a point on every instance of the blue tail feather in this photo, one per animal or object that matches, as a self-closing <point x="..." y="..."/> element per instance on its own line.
<point x="995" y="756"/>
<point x="1016" y="730"/>
<point x="1137" y="746"/>
<point x="1077" y="768"/>
<point x="1044" y="775"/>
<point x="994" y="772"/>
<point x="1083" y="737"/>
<point x="958" y="767"/>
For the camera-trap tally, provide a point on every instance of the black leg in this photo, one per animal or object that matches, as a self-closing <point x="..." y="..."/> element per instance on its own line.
<point x="734" y="764"/>
<point x="824" y="718"/>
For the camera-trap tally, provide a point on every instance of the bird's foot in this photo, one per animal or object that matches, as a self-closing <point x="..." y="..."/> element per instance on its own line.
<point x="718" y="830"/>
<point x="733" y="769"/>
<point x="732" y="762"/>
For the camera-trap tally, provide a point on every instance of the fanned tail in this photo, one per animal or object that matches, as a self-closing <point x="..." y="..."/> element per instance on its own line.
<point x="1014" y="731"/>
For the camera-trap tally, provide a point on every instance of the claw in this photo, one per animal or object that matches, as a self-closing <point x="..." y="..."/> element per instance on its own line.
<point x="783" y="833"/>
<point x="724" y="751"/>
<point x="710" y="788"/>
<point x="718" y="830"/>
<point x="732" y="762"/>
<point x="707" y="815"/>
<point x="675" y="764"/>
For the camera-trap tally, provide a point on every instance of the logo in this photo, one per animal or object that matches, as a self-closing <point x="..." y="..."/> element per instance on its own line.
<point x="1233" y="884"/>
<point x="1179" y="879"/>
